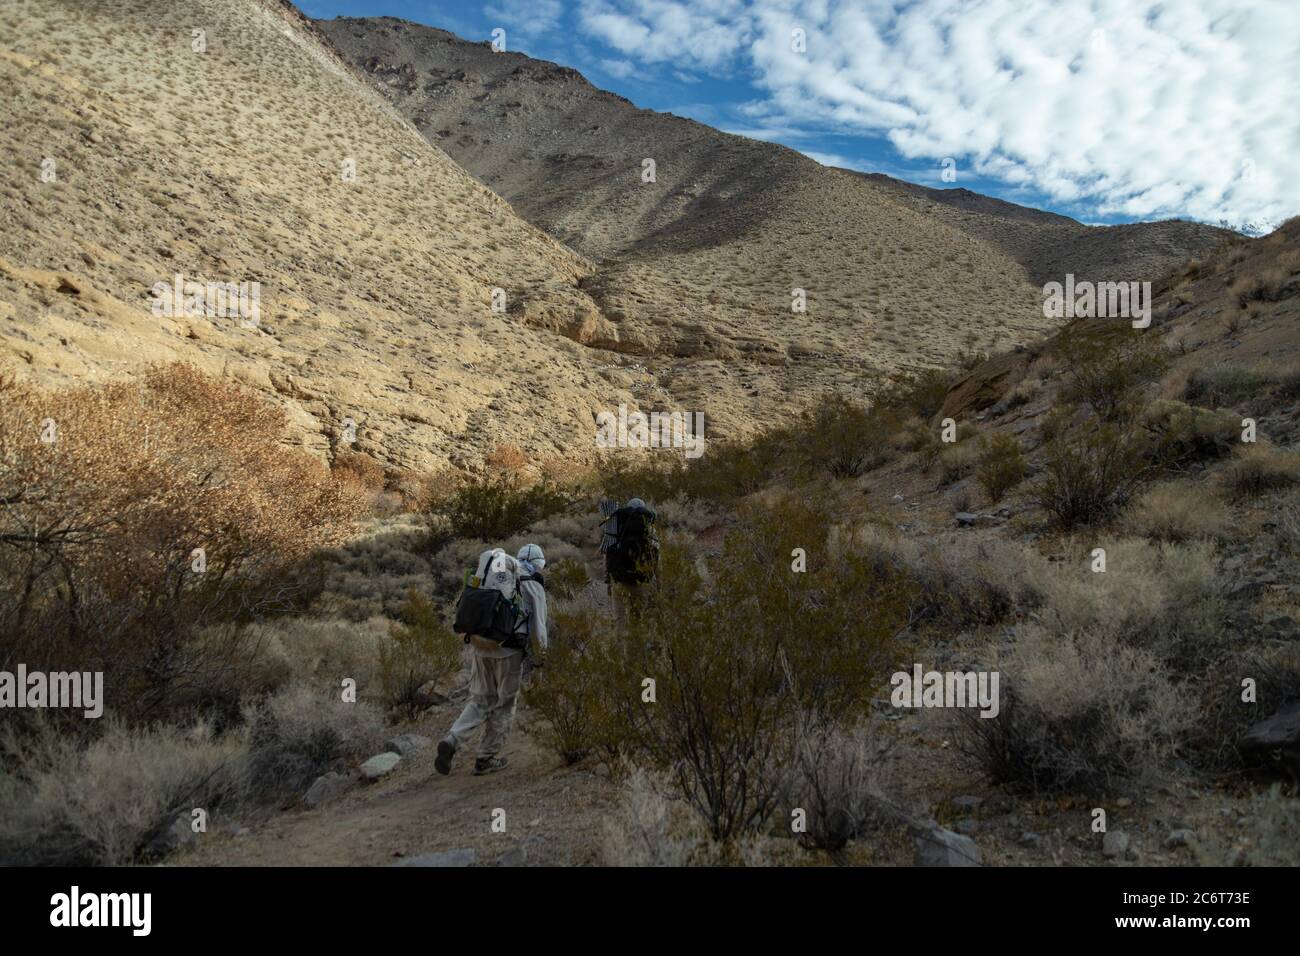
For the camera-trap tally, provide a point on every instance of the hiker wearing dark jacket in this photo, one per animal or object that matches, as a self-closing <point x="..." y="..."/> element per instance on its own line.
<point x="631" y="555"/>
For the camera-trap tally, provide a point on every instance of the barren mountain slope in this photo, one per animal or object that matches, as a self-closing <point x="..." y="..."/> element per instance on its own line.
<point x="135" y="158"/>
<point x="1050" y="245"/>
<point x="706" y="257"/>
<point x="702" y="263"/>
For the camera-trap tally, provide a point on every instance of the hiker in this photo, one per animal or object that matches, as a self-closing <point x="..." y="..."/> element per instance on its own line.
<point x="533" y="589"/>
<point x="631" y="555"/>
<point x="499" y="614"/>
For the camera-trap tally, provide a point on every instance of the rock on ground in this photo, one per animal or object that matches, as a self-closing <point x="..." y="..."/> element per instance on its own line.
<point x="936" y="846"/>
<point x="326" y="788"/>
<point x="380" y="766"/>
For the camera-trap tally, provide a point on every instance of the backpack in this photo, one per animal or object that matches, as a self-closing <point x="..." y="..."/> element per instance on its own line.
<point x="632" y="550"/>
<point x="489" y="612"/>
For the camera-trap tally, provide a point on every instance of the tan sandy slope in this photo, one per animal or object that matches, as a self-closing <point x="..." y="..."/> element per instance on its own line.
<point x="227" y="166"/>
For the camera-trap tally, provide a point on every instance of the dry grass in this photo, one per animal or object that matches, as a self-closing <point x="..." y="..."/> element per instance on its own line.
<point x="1176" y="512"/>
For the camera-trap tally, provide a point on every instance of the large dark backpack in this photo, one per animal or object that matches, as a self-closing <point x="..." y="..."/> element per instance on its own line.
<point x="634" y="553"/>
<point x="490" y="608"/>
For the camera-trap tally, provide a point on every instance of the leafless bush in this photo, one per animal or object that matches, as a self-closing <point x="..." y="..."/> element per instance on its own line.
<point x="68" y="802"/>
<point x="1090" y="478"/>
<point x="836" y="783"/>
<point x="301" y="732"/>
<point x="1084" y="713"/>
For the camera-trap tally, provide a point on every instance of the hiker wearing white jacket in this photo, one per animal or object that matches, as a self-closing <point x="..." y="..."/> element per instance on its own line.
<point x="497" y="670"/>
<point x="533" y="588"/>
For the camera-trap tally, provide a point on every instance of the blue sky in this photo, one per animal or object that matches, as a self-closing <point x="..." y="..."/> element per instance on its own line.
<point x="1105" y="110"/>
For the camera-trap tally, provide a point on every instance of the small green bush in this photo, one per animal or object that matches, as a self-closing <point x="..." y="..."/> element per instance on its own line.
<point x="499" y="506"/>
<point x="1091" y="478"/>
<point x="1001" y="465"/>
<point x="423" y="648"/>
<point x="1106" y="365"/>
<point x="919" y="393"/>
<point x="844" y="439"/>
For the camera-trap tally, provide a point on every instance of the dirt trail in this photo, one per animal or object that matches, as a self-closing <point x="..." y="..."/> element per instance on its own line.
<point x="556" y="812"/>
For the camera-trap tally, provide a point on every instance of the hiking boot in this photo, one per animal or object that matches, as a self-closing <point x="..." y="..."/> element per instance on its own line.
<point x="488" y="765"/>
<point x="442" y="763"/>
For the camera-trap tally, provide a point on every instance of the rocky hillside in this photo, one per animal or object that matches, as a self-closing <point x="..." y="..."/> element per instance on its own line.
<point x="136" y="158"/>
<point x="701" y="263"/>
<point x="232" y="143"/>
<point x="1049" y="245"/>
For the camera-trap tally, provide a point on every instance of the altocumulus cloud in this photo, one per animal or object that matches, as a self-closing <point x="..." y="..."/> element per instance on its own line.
<point x="1139" y="109"/>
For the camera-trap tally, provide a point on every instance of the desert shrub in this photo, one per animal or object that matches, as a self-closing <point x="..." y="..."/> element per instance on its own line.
<point x="1257" y="470"/>
<point x="844" y="439"/>
<point x="652" y="477"/>
<point x="422" y="649"/>
<point x="1225" y="385"/>
<point x="958" y="461"/>
<point x="683" y="515"/>
<point x="1106" y="365"/>
<point x="373" y="572"/>
<point x="836" y="783"/>
<point x="739" y="646"/>
<point x="320" y="652"/>
<point x="573" y="527"/>
<point x="300" y="732"/>
<point x="1165" y="598"/>
<point x="651" y="828"/>
<point x="728" y="470"/>
<point x="1174" y="512"/>
<point x="1090" y="478"/>
<point x="956" y="582"/>
<point x="739" y="654"/>
<point x="919" y="393"/>
<point x="98" y="802"/>
<point x="1025" y="391"/>
<point x="1224" y="716"/>
<point x="361" y="469"/>
<point x="99" y="526"/>
<point x="571" y="690"/>
<point x="917" y="436"/>
<point x="1001" y="465"/>
<point x="567" y="578"/>
<point x="1180" y="435"/>
<point x="1081" y="714"/>
<point x="498" y="505"/>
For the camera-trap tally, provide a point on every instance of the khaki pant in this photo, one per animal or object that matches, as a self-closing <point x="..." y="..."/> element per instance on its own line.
<point x="493" y="689"/>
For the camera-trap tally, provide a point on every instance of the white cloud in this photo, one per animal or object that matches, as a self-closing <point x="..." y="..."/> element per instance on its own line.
<point x="703" y="36"/>
<point x="1131" y="107"/>
<point x="528" y="18"/>
<point x="619" y="68"/>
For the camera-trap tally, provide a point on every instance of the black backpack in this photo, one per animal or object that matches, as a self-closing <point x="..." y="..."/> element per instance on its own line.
<point x="486" y="612"/>
<point x="634" y="553"/>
